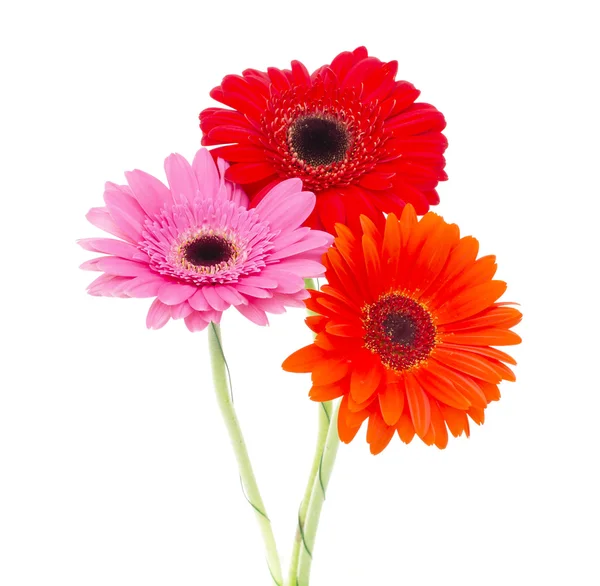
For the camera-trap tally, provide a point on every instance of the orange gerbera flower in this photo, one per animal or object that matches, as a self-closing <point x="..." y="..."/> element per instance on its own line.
<point x="405" y="331"/>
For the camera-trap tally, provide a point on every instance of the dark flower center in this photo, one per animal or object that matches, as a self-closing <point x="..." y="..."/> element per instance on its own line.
<point x="319" y="140"/>
<point x="400" y="330"/>
<point x="208" y="251"/>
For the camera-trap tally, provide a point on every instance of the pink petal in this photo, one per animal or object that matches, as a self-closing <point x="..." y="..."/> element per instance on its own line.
<point x="271" y="202"/>
<point x="181" y="310"/>
<point x="230" y="295"/>
<point x="214" y="299"/>
<point x="302" y="267"/>
<point x="158" y="315"/>
<point x="150" y="193"/>
<point x="198" y="301"/>
<point x="316" y="240"/>
<point x="114" y="247"/>
<point x="287" y="238"/>
<point x="212" y="315"/>
<point x="253" y="291"/>
<point x="287" y="282"/>
<point x="175" y="293"/>
<point x="107" y="286"/>
<point x="259" y="281"/>
<point x="287" y="213"/>
<point x="91" y="265"/>
<point x="296" y="300"/>
<point x="182" y="179"/>
<point x="100" y="218"/>
<point x="255" y="315"/>
<point x="206" y="172"/>
<point x="195" y="322"/>
<point x="125" y="211"/>
<point x="141" y="287"/>
<point x="113" y="265"/>
<point x="272" y="305"/>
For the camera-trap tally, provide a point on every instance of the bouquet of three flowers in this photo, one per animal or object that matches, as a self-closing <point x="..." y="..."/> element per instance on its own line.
<point x="329" y="174"/>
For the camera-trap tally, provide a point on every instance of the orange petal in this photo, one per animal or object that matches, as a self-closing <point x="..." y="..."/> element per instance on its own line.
<point x="495" y="316"/>
<point x="464" y="384"/>
<point x="391" y="402"/>
<point x="438" y="425"/>
<point x="329" y="371"/>
<point x="470" y="364"/>
<point x="491" y="392"/>
<point x="480" y="272"/>
<point x="408" y="222"/>
<point x="418" y="404"/>
<point x="390" y="254"/>
<point x="379" y="433"/>
<point x="477" y="415"/>
<point x="335" y="308"/>
<point x="493" y="353"/>
<point x="347" y="430"/>
<point x="405" y="428"/>
<point x="461" y="256"/>
<point x="455" y="418"/>
<point x="322" y="340"/>
<point x="345" y="330"/>
<point x="352" y="306"/>
<point x="303" y="360"/>
<point x="431" y="258"/>
<point x="326" y="392"/>
<point x="369" y="228"/>
<point x="366" y="376"/>
<point x="441" y="388"/>
<point x="372" y="265"/>
<point x="471" y="301"/>
<point x="487" y="337"/>
<point x="316" y="322"/>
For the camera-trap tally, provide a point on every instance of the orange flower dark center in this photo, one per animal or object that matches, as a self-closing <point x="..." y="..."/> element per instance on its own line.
<point x="318" y="140"/>
<point x="400" y="330"/>
<point x="207" y="251"/>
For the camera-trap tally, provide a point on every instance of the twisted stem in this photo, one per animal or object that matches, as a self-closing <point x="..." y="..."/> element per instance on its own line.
<point x="316" y="501"/>
<point x="249" y="485"/>
<point x="313" y="480"/>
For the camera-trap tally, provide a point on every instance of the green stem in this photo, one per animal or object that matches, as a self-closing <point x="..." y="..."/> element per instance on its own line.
<point x="323" y="427"/>
<point x="219" y="370"/>
<point x="317" y="498"/>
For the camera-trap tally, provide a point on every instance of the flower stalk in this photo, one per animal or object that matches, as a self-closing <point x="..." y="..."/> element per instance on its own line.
<point x="252" y="493"/>
<point x="316" y="501"/>
<point x="313" y="481"/>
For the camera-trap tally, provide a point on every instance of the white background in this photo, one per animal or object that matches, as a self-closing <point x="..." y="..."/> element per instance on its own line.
<point x="114" y="466"/>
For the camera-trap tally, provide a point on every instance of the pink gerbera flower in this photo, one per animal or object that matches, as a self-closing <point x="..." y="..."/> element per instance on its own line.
<point x="197" y="248"/>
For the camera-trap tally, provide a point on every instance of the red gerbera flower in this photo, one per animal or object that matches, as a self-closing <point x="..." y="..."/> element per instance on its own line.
<point x="350" y="131"/>
<point x="405" y="331"/>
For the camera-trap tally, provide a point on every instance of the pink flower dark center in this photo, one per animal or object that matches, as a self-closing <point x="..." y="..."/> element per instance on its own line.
<point x="400" y="330"/>
<point x="318" y="140"/>
<point x="207" y="251"/>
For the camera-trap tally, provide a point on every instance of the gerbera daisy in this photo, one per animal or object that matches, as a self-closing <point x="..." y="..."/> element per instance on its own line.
<point x="405" y="331"/>
<point x="350" y="131"/>
<point x="197" y="248"/>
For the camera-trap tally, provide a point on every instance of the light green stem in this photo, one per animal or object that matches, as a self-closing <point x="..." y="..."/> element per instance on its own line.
<point x="323" y="427"/>
<point x="317" y="498"/>
<point x="219" y="370"/>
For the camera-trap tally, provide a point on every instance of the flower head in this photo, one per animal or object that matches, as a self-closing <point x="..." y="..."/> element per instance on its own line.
<point x="405" y="331"/>
<point x="197" y="248"/>
<point x="350" y="131"/>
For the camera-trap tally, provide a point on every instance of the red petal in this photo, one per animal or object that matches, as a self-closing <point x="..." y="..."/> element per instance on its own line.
<point x="249" y="172"/>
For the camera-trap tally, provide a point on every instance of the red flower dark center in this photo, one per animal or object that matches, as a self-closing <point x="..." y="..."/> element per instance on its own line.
<point x="207" y="251"/>
<point x="318" y="140"/>
<point x="400" y="330"/>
